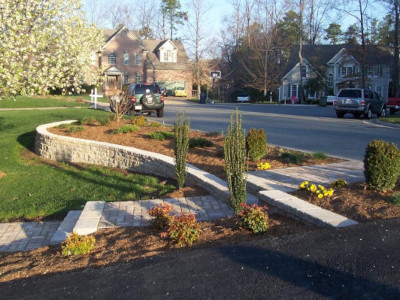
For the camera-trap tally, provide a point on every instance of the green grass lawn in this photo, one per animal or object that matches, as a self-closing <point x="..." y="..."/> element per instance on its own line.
<point x="33" y="188"/>
<point x="395" y="119"/>
<point x="48" y="101"/>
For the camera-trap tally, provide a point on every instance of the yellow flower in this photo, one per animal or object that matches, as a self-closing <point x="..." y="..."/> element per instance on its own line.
<point x="313" y="188"/>
<point x="320" y="196"/>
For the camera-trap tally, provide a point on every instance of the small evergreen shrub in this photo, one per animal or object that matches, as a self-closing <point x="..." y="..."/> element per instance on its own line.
<point x="105" y="120"/>
<point x="254" y="218"/>
<point x="161" y="216"/>
<point x="126" y="129"/>
<point x="235" y="160"/>
<point x="181" y="132"/>
<point x="292" y="158"/>
<point x="154" y="124"/>
<point x="319" y="155"/>
<point x="78" y="244"/>
<point x="381" y="165"/>
<point x="199" y="142"/>
<point x="161" y="135"/>
<point x="395" y="199"/>
<point x="73" y="129"/>
<point x="139" y="120"/>
<point x="183" y="230"/>
<point x="338" y="184"/>
<point x="212" y="134"/>
<point x="63" y="126"/>
<point x="256" y="143"/>
<point x="91" y="121"/>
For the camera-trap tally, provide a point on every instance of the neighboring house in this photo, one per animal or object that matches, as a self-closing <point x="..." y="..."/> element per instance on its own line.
<point x="337" y="66"/>
<point x="125" y="58"/>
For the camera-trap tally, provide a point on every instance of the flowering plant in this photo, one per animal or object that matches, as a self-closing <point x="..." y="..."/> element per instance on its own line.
<point x="319" y="190"/>
<point x="161" y="215"/>
<point x="338" y="183"/>
<point x="263" y="166"/>
<point x="183" y="229"/>
<point x="254" y="217"/>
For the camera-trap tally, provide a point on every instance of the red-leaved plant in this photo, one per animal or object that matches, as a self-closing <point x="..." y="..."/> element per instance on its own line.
<point x="183" y="229"/>
<point x="161" y="216"/>
<point x="253" y="217"/>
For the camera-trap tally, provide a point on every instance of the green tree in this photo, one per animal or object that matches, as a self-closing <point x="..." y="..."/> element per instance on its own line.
<point x="289" y="28"/>
<point x="334" y="33"/>
<point x="170" y="10"/>
<point x="45" y="45"/>
<point x="351" y="35"/>
<point x="386" y="31"/>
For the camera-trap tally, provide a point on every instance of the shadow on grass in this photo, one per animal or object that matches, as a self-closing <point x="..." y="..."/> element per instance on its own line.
<point x="27" y="140"/>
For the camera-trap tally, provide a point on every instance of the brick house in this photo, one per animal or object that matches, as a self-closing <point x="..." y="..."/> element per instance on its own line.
<point x="125" y="58"/>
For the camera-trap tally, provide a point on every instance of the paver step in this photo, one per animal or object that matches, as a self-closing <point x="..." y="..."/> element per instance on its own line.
<point x="303" y="210"/>
<point x="66" y="227"/>
<point x="90" y="217"/>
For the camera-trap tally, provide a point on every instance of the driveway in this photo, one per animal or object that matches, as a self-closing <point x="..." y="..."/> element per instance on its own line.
<point x="358" y="262"/>
<point x="308" y="128"/>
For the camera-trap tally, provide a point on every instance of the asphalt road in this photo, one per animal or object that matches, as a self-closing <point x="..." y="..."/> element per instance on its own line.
<point x="358" y="262"/>
<point x="308" y="128"/>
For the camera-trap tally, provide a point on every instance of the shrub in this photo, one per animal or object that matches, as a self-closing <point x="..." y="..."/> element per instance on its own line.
<point x="161" y="135"/>
<point x="183" y="229"/>
<point x="139" y="120"/>
<point x="319" y="155"/>
<point x="254" y="218"/>
<point x="235" y="160"/>
<point x="126" y="129"/>
<point x="95" y="121"/>
<point x="338" y="184"/>
<point x="381" y="165"/>
<point x="292" y="158"/>
<point x="395" y="199"/>
<point x="181" y="132"/>
<point x="64" y="126"/>
<point x="256" y="143"/>
<point x="161" y="215"/>
<point x="103" y="121"/>
<point x="77" y="244"/>
<point x="154" y="124"/>
<point x="212" y="134"/>
<point x="73" y="129"/>
<point x="199" y="142"/>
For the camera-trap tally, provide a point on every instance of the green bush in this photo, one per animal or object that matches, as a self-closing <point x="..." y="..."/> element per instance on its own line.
<point x="73" y="129"/>
<point x="161" y="135"/>
<point x="154" y="124"/>
<point x="212" y="134"/>
<point x="181" y="132"/>
<point x="77" y="244"/>
<point x="381" y="165"/>
<point x="64" y="126"/>
<point x="183" y="229"/>
<point x="256" y="143"/>
<point x="254" y="218"/>
<point x="319" y="155"/>
<point x="235" y="160"/>
<point x="126" y="129"/>
<point x="292" y="158"/>
<point x="199" y="142"/>
<point x="395" y="199"/>
<point x="95" y="121"/>
<point x="139" y="120"/>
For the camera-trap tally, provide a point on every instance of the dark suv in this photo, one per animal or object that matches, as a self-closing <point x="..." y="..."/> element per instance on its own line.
<point x="359" y="102"/>
<point x="145" y="97"/>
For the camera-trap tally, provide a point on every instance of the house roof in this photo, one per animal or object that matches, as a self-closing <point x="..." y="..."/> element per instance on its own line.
<point x="182" y="59"/>
<point x="320" y="55"/>
<point x="109" y="34"/>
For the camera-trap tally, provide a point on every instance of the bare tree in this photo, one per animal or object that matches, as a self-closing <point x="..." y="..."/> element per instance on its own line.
<point x="146" y="17"/>
<point x="198" y="13"/>
<point x="301" y="12"/>
<point x="315" y="15"/>
<point x="96" y="12"/>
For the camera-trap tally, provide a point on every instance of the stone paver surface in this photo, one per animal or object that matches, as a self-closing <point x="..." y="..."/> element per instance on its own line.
<point x="24" y="236"/>
<point x="288" y="179"/>
<point x="134" y="213"/>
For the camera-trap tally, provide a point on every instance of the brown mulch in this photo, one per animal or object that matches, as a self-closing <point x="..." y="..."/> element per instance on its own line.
<point x="357" y="202"/>
<point x="129" y="243"/>
<point x="209" y="159"/>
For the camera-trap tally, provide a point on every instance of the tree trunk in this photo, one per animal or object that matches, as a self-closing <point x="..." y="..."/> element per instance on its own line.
<point x="301" y="98"/>
<point x="395" y="68"/>
<point x="363" y="79"/>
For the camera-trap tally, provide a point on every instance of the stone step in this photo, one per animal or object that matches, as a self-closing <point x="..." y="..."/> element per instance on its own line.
<point x="89" y="219"/>
<point x="66" y="227"/>
<point x="303" y="210"/>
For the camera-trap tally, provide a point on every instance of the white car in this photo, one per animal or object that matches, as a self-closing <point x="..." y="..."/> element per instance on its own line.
<point x="330" y="99"/>
<point x="242" y="97"/>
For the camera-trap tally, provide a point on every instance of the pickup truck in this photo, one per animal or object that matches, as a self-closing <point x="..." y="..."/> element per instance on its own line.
<point x="393" y="104"/>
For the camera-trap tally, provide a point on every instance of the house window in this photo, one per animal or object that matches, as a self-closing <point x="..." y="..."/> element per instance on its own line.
<point x="126" y="59"/>
<point x="126" y="78"/>
<point x="294" y="90"/>
<point x="343" y="71"/>
<point x="379" y="91"/>
<point x="378" y="72"/>
<point x="330" y="81"/>
<point x="138" y="77"/>
<point x="349" y="70"/>
<point x="303" y="71"/>
<point x="369" y="72"/>
<point x="112" y="59"/>
<point x="167" y="55"/>
<point x="124" y="34"/>
<point x="138" y="59"/>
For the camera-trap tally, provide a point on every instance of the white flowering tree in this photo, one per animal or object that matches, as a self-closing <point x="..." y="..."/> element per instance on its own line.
<point x="45" y="44"/>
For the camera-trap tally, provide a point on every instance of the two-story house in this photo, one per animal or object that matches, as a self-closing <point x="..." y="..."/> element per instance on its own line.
<point x="125" y="58"/>
<point x="337" y="66"/>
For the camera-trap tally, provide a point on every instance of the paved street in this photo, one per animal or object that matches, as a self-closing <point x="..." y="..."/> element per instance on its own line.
<point x="309" y="128"/>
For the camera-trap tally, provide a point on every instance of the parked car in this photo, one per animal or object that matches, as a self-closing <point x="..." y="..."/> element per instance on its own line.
<point x="164" y="92"/>
<point x="393" y="104"/>
<point x="330" y="99"/>
<point x="359" y="102"/>
<point x="180" y="92"/>
<point x="243" y="97"/>
<point x="145" y="97"/>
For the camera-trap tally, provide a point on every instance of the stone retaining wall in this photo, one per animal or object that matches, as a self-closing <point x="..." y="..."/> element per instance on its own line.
<point x="69" y="149"/>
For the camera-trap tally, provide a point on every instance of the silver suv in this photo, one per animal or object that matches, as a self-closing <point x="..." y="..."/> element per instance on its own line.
<point x="359" y="102"/>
